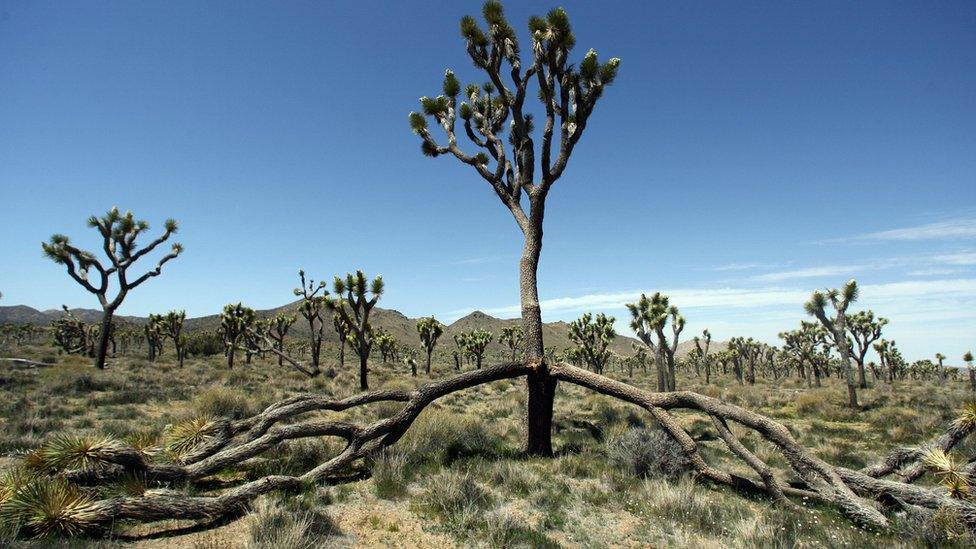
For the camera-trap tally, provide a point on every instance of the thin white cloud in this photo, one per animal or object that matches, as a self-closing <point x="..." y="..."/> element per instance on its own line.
<point x="812" y="272"/>
<point x="477" y="260"/>
<point x="742" y="266"/>
<point x="932" y="272"/>
<point x="959" y="258"/>
<point x="950" y="229"/>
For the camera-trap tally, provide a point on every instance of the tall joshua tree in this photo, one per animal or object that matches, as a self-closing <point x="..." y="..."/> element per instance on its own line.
<point x="836" y="327"/>
<point x="430" y="330"/>
<point x="477" y="342"/>
<point x="312" y="307"/>
<point x="235" y="321"/>
<point x="593" y="339"/>
<point x="512" y="337"/>
<point x="865" y="330"/>
<point x="803" y="346"/>
<point x="277" y="331"/>
<point x="355" y="299"/>
<point x="155" y="333"/>
<point x="968" y="359"/>
<point x="650" y="316"/>
<point x="342" y="331"/>
<point x="119" y="233"/>
<point x="172" y="326"/>
<point x="703" y="353"/>
<point x="461" y="342"/>
<point x="569" y="93"/>
<point x="939" y="357"/>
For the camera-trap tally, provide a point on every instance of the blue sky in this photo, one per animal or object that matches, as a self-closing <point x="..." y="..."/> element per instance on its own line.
<point x="747" y="154"/>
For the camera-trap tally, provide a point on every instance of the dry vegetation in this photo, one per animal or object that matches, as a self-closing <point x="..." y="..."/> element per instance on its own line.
<point x="460" y="476"/>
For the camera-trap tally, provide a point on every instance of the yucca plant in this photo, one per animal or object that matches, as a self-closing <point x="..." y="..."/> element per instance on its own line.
<point x="147" y="443"/>
<point x="48" y="507"/>
<point x="67" y="452"/>
<point x="952" y="478"/>
<point x="182" y="438"/>
<point x="967" y="418"/>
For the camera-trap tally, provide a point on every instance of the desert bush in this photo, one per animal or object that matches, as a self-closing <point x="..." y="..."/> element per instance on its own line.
<point x="295" y="524"/>
<point x="943" y="528"/>
<point x="647" y="452"/>
<point x="682" y="503"/>
<point x="204" y="344"/>
<point x="504" y="529"/>
<point x="389" y="472"/>
<point x="441" y="437"/>
<point x="224" y="402"/>
<point x="455" y="497"/>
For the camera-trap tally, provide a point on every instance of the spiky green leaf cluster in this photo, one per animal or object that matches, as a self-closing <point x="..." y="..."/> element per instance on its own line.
<point x="41" y="506"/>
<point x="68" y="452"/>
<point x="182" y="438"/>
<point x="451" y="86"/>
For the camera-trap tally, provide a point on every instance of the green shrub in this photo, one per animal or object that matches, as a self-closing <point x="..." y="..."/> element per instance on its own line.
<point x="456" y="497"/>
<point x="646" y="452"/>
<point x="224" y="402"/>
<point x="294" y="524"/>
<point x="389" y="472"/>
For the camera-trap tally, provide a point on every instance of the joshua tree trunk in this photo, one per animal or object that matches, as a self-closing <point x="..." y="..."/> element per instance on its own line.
<point x="662" y="378"/>
<point x="972" y="379"/>
<point x="541" y="386"/>
<point x="427" y="367"/>
<point x="845" y="361"/>
<point x="363" y="357"/>
<point x="862" y="380"/>
<point x="103" y="338"/>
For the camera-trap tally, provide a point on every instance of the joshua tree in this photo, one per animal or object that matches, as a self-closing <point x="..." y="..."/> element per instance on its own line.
<point x="312" y="307"/>
<point x="387" y="345"/>
<point x="593" y="339"/>
<point x="865" y="330"/>
<point x="277" y="330"/>
<point x="235" y="321"/>
<point x="640" y="356"/>
<point x="119" y="233"/>
<point x="837" y="327"/>
<point x="430" y="330"/>
<point x="476" y="343"/>
<point x="512" y="337"/>
<point x="353" y="306"/>
<point x="172" y="327"/>
<point x="155" y="333"/>
<point x="803" y="346"/>
<point x="71" y="335"/>
<point x="968" y="359"/>
<point x="650" y="316"/>
<point x="461" y="342"/>
<point x="703" y="353"/>
<point x="568" y="94"/>
<point x="342" y="331"/>
<point x="939" y="357"/>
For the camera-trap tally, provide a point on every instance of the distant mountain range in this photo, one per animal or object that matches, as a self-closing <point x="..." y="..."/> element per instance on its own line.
<point x="555" y="334"/>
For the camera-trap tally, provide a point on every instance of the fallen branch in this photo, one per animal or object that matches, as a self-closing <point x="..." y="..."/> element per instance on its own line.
<point x="26" y="363"/>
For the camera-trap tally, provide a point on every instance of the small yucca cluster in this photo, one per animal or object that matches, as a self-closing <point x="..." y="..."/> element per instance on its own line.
<point x="182" y="438"/>
<point x="66" y="452"/>
<point x="37" y="500"/>
<point x="35" y="505"/>
<point x="955" y="481"/>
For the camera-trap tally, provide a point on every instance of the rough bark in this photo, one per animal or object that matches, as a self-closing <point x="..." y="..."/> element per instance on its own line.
<point x="104" y="336"/>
